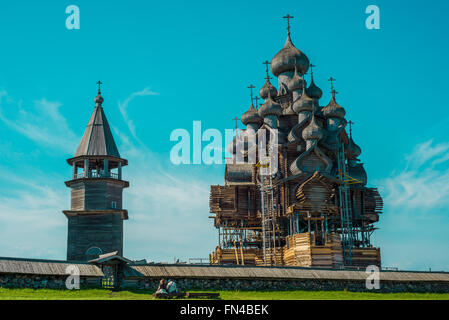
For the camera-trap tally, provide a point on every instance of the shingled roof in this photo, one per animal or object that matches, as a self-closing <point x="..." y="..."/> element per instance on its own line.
<point x="97" y="139"/>
<point x="46" y="267"/>
<point x="279" y="273"/>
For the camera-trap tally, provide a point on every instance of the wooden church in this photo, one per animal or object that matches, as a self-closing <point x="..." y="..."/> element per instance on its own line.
<point x="95" y="219"/>
<point x="314" y="209"/>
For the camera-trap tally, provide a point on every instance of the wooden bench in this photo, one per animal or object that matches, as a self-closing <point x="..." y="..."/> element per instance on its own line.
<point x="203" y="295"/>
<point x="169" y="295"/>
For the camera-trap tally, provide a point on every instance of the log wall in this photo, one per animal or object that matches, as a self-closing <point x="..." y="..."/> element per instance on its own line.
<point x="104" y="231"/>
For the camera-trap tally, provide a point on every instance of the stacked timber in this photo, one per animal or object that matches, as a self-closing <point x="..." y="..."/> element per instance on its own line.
<point x="274" y="257"/>
<point x="322" y="257"/>
<point x="248" y="257"/>
<point x="222" y="198"/>
<point x="334" y="241"/>
<point x="300" y="251"/>
<point x="363" y="257"/>
<point x="373" y="204"/>
<point x="297" y="252"/>
<point x="235" y="256"/>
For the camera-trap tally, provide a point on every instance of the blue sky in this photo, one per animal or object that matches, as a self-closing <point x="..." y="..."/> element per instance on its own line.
<point x="166" y="64"/>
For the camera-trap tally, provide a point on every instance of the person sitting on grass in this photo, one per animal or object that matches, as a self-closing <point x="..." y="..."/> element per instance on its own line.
<point x="171" y="287"/>
<point x="162" y="287"/>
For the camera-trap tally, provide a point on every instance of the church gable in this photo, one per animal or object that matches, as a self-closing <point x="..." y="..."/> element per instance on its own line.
<point x="315" y="193"/>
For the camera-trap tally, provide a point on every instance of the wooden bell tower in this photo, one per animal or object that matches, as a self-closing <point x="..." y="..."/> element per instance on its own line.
<point x="95" y="219"/>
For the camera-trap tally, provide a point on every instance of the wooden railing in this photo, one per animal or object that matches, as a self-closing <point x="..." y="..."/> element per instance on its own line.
<point x="100" y="174"/>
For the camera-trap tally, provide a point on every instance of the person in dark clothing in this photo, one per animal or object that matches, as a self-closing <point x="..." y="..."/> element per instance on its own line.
<point x="162" y="287"/>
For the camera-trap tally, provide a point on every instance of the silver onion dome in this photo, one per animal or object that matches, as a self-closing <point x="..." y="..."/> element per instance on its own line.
<point x="289" y="57"/>
<point x="313" y="131"/>
<point x="313" y="91"/>
<point x="270" y="107"/>
<point x="296" y="82"/>
<point x="304" y="103"/>
<point x="334" y="110"/>
<point x="268" y="89"/>
<point x="251" y="116"/>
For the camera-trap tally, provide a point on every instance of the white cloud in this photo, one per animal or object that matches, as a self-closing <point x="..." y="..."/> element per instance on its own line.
<point x="123" y="107"/>
<point x="413" y="228"/>
<point x="42" y="122"/>
<point x="31" y="222"/>
<point x="168" y="214"/>
<point x="424" y="182"/>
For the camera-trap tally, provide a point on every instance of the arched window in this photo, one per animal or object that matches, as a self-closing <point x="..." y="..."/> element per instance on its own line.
<point x="93" y="252"/>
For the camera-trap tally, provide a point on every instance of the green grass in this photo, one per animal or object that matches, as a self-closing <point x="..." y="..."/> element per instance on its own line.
<point x="102" y="294"/>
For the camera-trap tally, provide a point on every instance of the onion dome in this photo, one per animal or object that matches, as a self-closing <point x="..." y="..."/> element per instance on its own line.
<point x="268" y="89"/>
<point x="313" y="131"/>
<point x="296" y="82"/>
<point x="356" y="171"/>
<point x="313" y="91"/>
<point x="251" y="116"/>
<point x="98" y="99"/>
<point x="288" y="110"/>
<point x="289" y="57"/>
<point x="304" y="103"/>
<point x="270" y="107"/>
<point x="353" y="149"/>
<point x="333" y="109"/>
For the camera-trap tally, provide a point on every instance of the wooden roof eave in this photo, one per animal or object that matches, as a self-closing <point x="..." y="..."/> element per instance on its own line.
<point x="72" y="213"/>
<point x="113" y="259"/>
<point x="328" y="209"/>
<point x="123" y="183"/>
<point x="243" y="183"/>
<point x="123" y="161"/>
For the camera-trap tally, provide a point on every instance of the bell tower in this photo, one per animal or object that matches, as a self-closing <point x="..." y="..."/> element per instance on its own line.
<point x="95" y="219"/>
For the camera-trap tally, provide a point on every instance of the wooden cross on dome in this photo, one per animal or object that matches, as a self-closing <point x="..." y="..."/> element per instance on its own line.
<point x="267" y="63"/>
<point x="257" y="101"/>
<point x="311" y="68"/>
<point x="251" y="87"/>
<point x="334" y="92"/>
<point x="236" y="123"/>
<point x="288" y="17"/>
<point x="332" y="87"/>
<point x="332" y="82"/>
